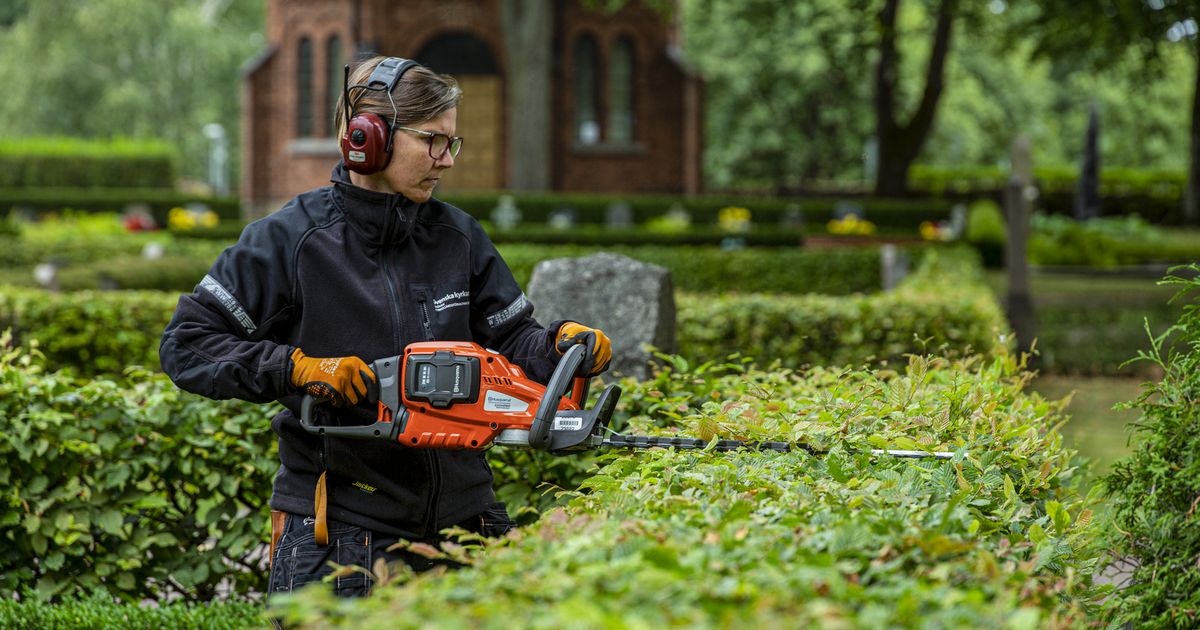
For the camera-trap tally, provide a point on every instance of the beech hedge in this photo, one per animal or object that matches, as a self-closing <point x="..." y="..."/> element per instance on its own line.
<point x="995" y="537"/>
<point x="129" y="486"/>
<point x="80" y="163"/>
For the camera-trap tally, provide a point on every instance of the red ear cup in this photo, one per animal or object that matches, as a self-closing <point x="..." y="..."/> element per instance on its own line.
<point x="365" y="145"/>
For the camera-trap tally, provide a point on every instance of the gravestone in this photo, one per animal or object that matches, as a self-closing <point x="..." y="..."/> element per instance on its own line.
<point x="631" y="301"/>
<point x="506" y="215"/>
<point x="618" y="215"/>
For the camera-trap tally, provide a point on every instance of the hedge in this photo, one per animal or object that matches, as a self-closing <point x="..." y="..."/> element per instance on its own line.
<point x="941" y="308"/>
<point x="1151" y="194"/>
<point x="100" y="612"/>
<point x="129" y="486"/>
<point x="89" y="332"/>
<point x="117" y="263"/>
<point x="1157" y="183"/>
<point x="157" y="202"/>
<point x="994" y="538"/>
<point x="1155" y="489"/>
<point x="87" y="164"/>
<point x="704" y="210"/>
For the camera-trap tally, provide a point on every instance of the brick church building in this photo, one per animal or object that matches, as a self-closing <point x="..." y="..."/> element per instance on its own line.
<point x="557" y="95"/>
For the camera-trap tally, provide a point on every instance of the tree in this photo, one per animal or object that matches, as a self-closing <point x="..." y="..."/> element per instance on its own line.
<point x="899" y="143"/>
<point x="1101" y="33"/>
<point x="133" y="68"/>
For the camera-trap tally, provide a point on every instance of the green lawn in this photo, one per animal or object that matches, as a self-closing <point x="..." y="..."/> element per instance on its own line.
<point x="1096" y="428"/>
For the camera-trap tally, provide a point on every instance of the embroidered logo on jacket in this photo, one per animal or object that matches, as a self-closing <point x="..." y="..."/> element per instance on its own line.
<point x="451" y="300"/>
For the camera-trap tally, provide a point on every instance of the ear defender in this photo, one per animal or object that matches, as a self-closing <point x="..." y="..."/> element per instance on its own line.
<point x="367" y="143"/>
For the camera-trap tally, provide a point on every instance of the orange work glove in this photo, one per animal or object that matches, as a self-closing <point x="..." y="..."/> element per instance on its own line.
<point x="599" y="348"/>
<point x="344" y="380"/>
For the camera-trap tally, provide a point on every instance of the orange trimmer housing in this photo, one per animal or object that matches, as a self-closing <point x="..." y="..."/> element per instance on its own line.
<point x="459" y="395"/>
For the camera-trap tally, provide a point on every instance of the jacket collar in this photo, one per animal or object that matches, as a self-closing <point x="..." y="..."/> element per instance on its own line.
<point x="380" y="217"/>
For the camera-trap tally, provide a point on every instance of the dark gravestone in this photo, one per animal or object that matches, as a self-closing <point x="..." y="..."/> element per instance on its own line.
<point x="632" y="302"/>
<point x="1087" y="189"/>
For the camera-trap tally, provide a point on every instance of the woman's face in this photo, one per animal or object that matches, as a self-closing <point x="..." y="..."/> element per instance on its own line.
<point x="411" y="172"/>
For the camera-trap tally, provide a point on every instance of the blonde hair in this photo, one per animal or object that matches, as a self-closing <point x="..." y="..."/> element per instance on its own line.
<point x="421" y="95"/>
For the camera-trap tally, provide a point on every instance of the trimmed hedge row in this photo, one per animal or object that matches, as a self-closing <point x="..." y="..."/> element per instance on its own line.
<point x="99" y="612"/>
<point x="994" y="538"/>
<point x="1157" y="183"/>
<point x="132" y="486"/>
<point x="158" y="202"/>
<point x="117" y="264"/>
<point x="704" y="210"/>
<point x="706" y="269"/>
<point x="102" y="332"/>
<point x="79" y="163"/>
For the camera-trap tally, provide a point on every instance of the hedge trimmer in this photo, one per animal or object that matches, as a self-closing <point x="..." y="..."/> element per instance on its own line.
<point x="457" y="395"/>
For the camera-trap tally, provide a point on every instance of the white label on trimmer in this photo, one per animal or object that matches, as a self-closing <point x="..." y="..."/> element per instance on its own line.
<point x="567" y="424"/>
<point x="495" y="401"/>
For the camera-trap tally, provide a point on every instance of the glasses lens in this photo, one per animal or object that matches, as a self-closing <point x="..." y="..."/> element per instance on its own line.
<point x="437" y="145"/>
<point x="455" y="146"/>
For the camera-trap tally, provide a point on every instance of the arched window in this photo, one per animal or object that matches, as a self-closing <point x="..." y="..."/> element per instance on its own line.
<point x="334" y="75"/>
<point x="620" y="91"/>
<point x="304" y="89"/>
<point x="587" y="122"/>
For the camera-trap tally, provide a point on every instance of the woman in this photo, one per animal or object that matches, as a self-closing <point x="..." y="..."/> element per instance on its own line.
<point x="343" y="275"/>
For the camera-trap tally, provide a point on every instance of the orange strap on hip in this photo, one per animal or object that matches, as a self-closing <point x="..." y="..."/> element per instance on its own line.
<point x="320" y="526"/>
<point x="278" y="521"/>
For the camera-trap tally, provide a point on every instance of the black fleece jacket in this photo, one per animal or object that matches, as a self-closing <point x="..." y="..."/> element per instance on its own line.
<point x="342" y="271"/>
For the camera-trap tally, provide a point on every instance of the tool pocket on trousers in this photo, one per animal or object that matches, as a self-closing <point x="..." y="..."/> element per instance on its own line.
<point x="495" y="522"/>
<point x="300" y="561"/>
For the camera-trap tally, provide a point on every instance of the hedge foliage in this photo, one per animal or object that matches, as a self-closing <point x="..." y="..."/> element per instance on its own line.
<point x="994" y="538"/>
<point x="943" y="307"/>
<point x="1108" y="242"/>
<point x="99" y="612"/>
<point x="157" y="202"/>
<point x="938" y="180"/>
<point x="116" y="262"/>
<point x="89" y="332"/>
<point x="708" y="269"/>
<point x="80" y="163"/>
<point x="705" y="210"/>
<point x="1155" y="195"/>
<point x="1156" y="489"/>
<point x="129" y="486"/>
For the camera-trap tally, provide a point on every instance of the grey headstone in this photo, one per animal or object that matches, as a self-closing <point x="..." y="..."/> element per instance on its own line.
<point x="619" y="215"/>
<point x="506" y="215"/>
<point x="631" y="301"/>
<point x="562" y="219"/>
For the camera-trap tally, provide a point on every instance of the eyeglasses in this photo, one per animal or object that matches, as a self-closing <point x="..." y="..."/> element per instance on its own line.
<point x="439" y="143"/>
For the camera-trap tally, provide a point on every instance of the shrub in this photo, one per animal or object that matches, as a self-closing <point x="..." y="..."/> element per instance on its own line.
<point x="100" y="200"/>
<point x="99" y="612"/>
<point x="711" y="269"/>
<point x="79" y="163"/>
<point x="89" y="332"/>
<point x="1155" y="489"/>
<point x="1106" y="242"/>
<point x="987" y="231"/>
<point x="133" y="487"/>
<point x="994" y="538"/>
<point x="706" y="210"/>
<point x="943" y="307"/>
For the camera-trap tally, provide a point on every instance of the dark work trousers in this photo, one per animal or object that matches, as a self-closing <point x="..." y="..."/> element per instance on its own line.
<point x="299" y="560"/>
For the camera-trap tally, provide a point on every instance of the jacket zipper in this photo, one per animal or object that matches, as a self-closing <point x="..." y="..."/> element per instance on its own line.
<point x="425" y="319"/>
<point x="397" y="316"/>
<point x="435" y="480"/>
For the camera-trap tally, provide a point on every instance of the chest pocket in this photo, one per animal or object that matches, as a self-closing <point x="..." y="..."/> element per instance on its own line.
<point x="443" y="310"/>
